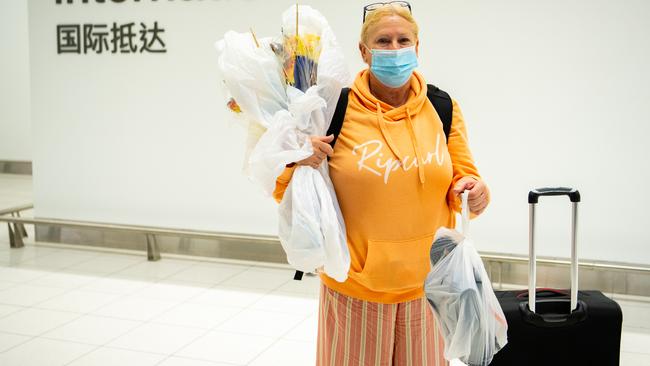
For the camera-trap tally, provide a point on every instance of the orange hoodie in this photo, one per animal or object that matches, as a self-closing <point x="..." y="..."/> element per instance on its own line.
<point x="393" y="173"/>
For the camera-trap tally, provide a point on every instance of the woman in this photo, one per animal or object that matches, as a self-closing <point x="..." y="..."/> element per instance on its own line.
<point x="397" y="182"/>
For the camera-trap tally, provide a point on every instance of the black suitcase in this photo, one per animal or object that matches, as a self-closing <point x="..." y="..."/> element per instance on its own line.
<point x="561" y="327"/>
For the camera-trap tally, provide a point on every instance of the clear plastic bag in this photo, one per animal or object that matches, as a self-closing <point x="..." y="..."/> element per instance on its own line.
<point x="312" y="231"/>
<point x="311" y="226"/>
<point x="253" y="84"/>
<point x="471" y="320"/>
<point x="252" y="76"/>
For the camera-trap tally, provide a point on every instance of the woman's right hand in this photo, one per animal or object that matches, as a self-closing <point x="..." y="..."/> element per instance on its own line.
<point x="322" y="149"/>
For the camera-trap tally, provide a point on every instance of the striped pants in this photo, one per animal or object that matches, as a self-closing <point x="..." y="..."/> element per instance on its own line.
<point x="353" y="332"/>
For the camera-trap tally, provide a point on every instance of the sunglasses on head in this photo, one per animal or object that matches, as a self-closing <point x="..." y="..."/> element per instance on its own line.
<point x="374" y="6"/>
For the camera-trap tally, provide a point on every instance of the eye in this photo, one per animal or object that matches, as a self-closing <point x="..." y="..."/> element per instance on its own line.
<point x="383" y="40"/>
<point x="405" y="41"/>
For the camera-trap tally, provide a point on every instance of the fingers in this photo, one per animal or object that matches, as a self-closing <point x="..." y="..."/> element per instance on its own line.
<point x="477" y="192"/>
<point x="312" y="161"/>
<point x="327" y="139"/>
<point x="464" y="184"/>
<point x="320" y="144"/>
<point x="478" y="198"/>
<point x="322" y="149"/>
<point x="459" y="188"/>
<point x="478" y="205"/>
<point x="479" y="208"/>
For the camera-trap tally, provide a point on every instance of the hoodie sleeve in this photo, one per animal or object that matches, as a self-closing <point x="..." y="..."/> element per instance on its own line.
<point x="461" y="156"/>
<point x="282" y="183"/>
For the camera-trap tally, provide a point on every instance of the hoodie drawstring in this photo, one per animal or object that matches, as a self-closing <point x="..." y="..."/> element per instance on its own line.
<point x="393" y="147"/>
<point x="416" y="146"/>
<point x="384" y="131"/>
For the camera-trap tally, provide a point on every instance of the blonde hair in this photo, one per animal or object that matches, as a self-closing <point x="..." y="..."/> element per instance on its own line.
<point x="373" y="17"/>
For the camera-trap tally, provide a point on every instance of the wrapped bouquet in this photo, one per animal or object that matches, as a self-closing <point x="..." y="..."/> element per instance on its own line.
<point x="285" y="89"/>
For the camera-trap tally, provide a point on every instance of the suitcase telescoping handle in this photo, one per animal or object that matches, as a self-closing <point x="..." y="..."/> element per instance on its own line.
<point x="533" y="199"/>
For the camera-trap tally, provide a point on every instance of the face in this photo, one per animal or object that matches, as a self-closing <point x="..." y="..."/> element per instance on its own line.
<point x="390" y="33"/>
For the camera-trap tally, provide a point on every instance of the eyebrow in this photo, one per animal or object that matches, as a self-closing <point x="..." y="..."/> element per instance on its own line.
<point x="401" y="35"/>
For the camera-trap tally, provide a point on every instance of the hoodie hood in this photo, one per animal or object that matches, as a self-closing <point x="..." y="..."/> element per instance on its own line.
<point x="386" y="113"/>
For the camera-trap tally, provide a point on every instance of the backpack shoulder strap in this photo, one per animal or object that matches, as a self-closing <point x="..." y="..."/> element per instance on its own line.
<point x="442" y="103"/>
<point x="339" y="115"/>
<point x="439" y="98"/>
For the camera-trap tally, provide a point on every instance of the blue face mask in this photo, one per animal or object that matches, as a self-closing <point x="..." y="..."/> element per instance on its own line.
<point x="393" y="68"/>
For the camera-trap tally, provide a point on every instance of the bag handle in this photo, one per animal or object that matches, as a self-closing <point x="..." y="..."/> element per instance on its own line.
<point x="533" y="199"/>
<point x="464" y="213"/>
<point x="544" y="292"/>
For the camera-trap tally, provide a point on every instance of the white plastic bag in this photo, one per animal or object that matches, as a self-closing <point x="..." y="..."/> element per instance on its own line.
<point x="310" y="112"/>
<point x="252" y="78"/>
<point x="311" y="227"/>
<point x="460" y="293"/>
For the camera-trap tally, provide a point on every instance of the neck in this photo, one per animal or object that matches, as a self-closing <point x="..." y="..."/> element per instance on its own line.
<point x="396" y="97"/>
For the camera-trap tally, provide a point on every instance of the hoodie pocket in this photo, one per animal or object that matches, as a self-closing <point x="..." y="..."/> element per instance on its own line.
<point x="396" y="265"/>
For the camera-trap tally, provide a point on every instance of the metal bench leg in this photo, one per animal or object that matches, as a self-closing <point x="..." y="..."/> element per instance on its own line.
<point x="20" y="226"/>
<point x="153" y="252"/>
<point x="15" y="237"/>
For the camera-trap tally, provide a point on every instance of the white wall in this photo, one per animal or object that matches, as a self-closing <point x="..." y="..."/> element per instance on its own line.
<point x="554" y="93"/>
<point x="15" y="131"/>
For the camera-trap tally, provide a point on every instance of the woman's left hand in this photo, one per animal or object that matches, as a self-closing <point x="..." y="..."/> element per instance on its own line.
<point x="479" y="194"/>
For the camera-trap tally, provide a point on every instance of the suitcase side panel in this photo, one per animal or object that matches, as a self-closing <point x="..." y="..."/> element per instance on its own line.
<point x="593" y="341"/>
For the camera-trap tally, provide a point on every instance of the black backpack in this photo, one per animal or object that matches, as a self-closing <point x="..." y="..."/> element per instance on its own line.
<point x="439" y="98"/>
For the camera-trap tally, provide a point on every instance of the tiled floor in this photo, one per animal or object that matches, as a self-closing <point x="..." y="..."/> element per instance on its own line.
<point x="63" y="306"/>
<point x="68" y="306"/>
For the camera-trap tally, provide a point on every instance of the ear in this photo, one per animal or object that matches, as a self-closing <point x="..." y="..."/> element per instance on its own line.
<point x="417" y="48"/>
<point x="365" y="54"/>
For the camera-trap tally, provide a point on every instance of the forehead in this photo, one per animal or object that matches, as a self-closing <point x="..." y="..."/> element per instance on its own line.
<point x="391" y="25"/>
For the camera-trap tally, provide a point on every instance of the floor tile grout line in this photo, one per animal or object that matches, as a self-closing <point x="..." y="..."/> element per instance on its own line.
<point x="110" y="274"/>
<point x="296" y="327"/>
<point x="150" y="320"/>
<point x="90" y="313"/>
<point x="40" y="334"/>
<point x="278" y="338"/>
<point x="115" y="347"/>
<point x="200" y="291"/>
<point x="30" y="338"/>
<point x="106" y="344"/>
<point x="191" y="265"/>
<point x="248" y="307"/>
<point x="36" y="256"/>
<point x="222" y="281"/>
<point x="276" y="341"/>
<point x="99" y="275"/>
<point x="131" y="293"/>
<point x="211" y="329"/>
<point x="197" y="359"/>
<point x="80" y="314"/>
<point x="73" y="289"/>
<point x="144" y="323"/>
